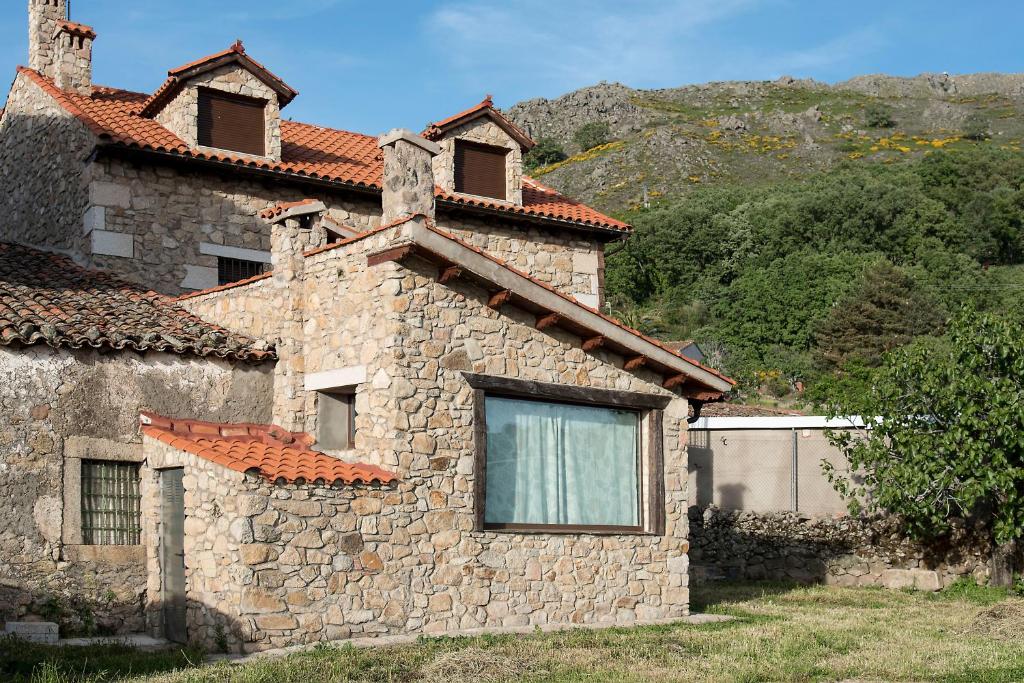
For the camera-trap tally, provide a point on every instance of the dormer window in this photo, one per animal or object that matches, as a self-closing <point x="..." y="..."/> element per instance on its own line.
<point x="480" y="169"/>
<point x="232" y="122"/>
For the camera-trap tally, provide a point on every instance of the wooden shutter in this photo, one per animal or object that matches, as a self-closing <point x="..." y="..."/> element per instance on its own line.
<point x="232" y="122"/>
<point x="480" y="169"/>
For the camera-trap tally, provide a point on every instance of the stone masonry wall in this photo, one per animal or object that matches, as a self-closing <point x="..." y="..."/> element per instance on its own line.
<point x="181" y="114"/>
<point x="169" y="213"/>
<point x="44" y="197"/>
<point x="58" y="405"/>
<point x="840" y="550"/>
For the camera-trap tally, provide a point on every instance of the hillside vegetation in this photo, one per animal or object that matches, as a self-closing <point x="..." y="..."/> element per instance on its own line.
<point x="799" y="231"/>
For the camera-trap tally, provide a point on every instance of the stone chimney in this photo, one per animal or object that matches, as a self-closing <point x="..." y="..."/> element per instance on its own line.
<point x="43" y="16"/>
<point x="73" y="63"/>
<point x="408" y="175"/>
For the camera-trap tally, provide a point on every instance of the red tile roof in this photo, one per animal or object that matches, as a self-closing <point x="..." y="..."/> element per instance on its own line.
<point x="739" y="410"/>
<point x="276" y="454"/>
<point x="177" y="77"/>
<point x="435" y="131"/>
<point x="77" y="29"/>
<point x="265" y="275"/>
<point x="306" y="150"/>
<point x="47" y="299"/>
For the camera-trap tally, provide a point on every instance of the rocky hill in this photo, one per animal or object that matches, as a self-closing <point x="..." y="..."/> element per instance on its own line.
<point x="665" y="142"/>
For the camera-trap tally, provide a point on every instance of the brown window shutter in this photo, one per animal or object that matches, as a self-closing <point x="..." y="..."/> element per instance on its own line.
<point x="480" y="169"/>
<point x="232" y="122"/>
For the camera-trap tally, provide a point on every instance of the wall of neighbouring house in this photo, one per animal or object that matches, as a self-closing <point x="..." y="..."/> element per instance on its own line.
<point x="320" y="563"/>
<point x="59" y="405"/>
<point x="43" y="151"/>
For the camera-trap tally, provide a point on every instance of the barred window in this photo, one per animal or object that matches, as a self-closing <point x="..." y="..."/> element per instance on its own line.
<point x="234" y="269"/>
<point x="111" y="503"/>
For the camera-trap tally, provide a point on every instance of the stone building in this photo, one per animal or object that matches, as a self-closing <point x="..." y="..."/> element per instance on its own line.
<point x="395" y="405"/>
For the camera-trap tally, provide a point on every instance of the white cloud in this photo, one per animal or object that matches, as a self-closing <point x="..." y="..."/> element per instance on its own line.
<point x="568" y="43"/>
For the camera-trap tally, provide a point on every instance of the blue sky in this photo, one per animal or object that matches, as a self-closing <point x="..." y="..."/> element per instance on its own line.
<point x="371" y="66"/>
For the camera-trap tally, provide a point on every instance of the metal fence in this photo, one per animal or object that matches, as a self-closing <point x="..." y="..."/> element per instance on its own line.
<point x="756" y="467"/>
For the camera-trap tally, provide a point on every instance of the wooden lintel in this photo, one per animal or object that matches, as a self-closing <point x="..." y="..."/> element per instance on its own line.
<point x="593" y="343"/>
<point x="546" y="321"/>
<point x="636" y="362"/>
<point x="393" y="254"/>
<point x="499" y="299"/>
<point x="675" y="381"/>
<point x="449" y="273"/>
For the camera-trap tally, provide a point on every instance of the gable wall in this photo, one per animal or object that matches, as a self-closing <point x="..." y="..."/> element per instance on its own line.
<point x="484" y="131"/>
<point x="43" y="152"/>
<point x="181" y="115"/>
<point x="59" y="405"/>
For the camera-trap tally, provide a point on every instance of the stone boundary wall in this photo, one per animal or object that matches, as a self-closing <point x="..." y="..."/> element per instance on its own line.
<point x="836" y="550"/>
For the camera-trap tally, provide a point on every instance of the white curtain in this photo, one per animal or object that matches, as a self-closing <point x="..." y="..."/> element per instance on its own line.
<point x="553" y="463"/>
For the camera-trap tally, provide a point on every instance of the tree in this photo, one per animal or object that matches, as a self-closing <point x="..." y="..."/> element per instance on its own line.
<point x="888" y="309"/>
<point x="879" y="116"/>
<point x="950" y="442"/>
<point x="591" y="135"/>
<point x="546" y="151"/>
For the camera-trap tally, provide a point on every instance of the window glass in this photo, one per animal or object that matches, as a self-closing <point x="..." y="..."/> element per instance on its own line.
<point x="336" y="421"/>
<point x="561" y="464"/>
<point x="110" y="503"/>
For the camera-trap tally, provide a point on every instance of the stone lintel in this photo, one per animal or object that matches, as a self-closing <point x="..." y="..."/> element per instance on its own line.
<point x="396" y="134"/>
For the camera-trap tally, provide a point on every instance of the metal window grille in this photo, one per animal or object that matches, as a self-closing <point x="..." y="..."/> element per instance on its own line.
<point x="111" y="500"/>
<point x="234" y="269"/>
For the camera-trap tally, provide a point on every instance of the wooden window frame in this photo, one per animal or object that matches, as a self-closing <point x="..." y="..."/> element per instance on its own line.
<point x="223" y="95"/>
<point x="493" y="149"/>
<point x="650" y="453"/>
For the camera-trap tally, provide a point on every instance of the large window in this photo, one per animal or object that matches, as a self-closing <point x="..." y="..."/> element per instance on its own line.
<point x="480" y="169"/>
<point x="110" y="503"/>
<point x="561" y="465"/>
<point x="232" y="122"/>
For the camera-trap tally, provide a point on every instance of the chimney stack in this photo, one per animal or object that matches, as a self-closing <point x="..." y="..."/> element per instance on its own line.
<point x="73" y="65"/>
<point x="43" y="16"/>
<point x="408" y="175"/>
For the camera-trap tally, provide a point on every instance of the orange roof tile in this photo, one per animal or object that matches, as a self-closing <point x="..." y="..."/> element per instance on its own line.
<point x="76" y="29"/>
<point x="276" y="454"/>
<point x="437" y="129"/>
<point x="306" y="150"/>
<point x="231" y="285"/>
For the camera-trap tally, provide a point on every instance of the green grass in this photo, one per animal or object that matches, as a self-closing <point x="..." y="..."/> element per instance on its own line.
<point x="782" y="633"/>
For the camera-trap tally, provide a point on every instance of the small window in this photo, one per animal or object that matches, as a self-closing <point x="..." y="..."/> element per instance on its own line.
<point x="336" y="420"/>
<point x="561" y="465"/>
<point x="232" y="122"/>
<point x="110" y="503"/>
<point x="234" y="269"/>
<point x="480" y="169"/>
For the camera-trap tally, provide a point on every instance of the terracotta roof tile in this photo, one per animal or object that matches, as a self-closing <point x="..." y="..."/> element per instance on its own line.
<point x="276" y="454"/>
<point x="47" y="299"/>
<point x="437" y="129"/>
<point x="739" y="410"/>
<point x="76" y="29"/>
<point x="306" y="150"/>
<point x="231" y="285"/>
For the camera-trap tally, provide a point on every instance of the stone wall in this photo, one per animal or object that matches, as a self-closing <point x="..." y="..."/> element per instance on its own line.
<point x="181" y="114"/>
<point x="840" y="550"/>
<point x="170" y="213"/>
<point x="63" y="405"/>
<point x="42" y="152"/>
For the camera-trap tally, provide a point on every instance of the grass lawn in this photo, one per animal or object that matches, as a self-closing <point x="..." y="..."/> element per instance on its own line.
<point x="782" y="633"/>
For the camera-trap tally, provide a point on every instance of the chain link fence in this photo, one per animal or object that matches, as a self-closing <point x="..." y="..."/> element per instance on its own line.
<point x="764" y="470"/>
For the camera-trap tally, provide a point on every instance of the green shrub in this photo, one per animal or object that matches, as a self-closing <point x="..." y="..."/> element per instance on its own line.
<point x="976" y="127"/>
<point x="879" y="116"/>
<point x="547" y="152"/>
<point x="591" y="135"/>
